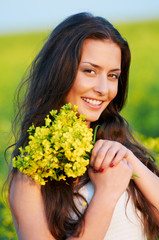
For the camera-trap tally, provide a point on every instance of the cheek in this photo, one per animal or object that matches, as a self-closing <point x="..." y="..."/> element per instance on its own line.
<point x="113" y="91"/>
<point x="81" y="85"/>
<point x="75" y="91"/>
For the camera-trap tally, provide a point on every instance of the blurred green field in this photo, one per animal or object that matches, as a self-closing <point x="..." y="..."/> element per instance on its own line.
<point x="142" y="109"/>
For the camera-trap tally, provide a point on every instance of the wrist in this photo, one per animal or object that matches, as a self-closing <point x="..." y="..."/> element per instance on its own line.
<point x="132" y="158"/>
<point x="104" y="194"/>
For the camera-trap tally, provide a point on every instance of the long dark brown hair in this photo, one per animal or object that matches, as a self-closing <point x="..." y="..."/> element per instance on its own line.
<point x="50" y="78"/>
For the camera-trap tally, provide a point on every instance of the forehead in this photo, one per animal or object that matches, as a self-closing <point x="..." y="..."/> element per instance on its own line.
<point x="101" y="51"/>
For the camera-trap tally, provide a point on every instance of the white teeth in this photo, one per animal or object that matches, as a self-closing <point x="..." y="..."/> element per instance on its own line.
<point x="93" y="102"/>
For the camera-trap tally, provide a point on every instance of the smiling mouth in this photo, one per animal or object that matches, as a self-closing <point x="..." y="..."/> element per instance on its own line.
<point x="92" y="101"/>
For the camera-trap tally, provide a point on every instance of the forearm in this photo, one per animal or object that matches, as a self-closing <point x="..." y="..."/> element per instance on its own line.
<point x="147" y="181"/>
<point x="100" y="210"/>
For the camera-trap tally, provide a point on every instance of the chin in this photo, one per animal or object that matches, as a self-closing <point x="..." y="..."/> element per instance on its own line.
<point x="92" y="119"/>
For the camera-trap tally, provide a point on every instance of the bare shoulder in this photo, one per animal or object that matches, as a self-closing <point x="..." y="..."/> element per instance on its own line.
<point x="24" y="189"/>
<point x="28" y="209"/>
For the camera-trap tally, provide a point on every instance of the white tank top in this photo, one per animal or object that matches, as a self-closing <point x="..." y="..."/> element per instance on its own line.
<point x="125" y="224"/>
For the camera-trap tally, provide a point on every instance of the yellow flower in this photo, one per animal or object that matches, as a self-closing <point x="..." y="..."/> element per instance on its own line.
<point x="57" y="150"/>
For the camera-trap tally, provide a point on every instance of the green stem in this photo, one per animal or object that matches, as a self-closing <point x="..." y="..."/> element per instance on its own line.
<point x="134" y="175"/>
<point x="95" y="133"/>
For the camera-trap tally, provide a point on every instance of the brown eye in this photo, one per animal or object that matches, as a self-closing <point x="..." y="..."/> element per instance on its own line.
<point x="90" y="71"/>
<point x="114" y="76"/>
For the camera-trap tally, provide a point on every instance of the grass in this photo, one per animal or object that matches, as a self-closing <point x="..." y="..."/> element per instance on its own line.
<point x="142" y="107"/>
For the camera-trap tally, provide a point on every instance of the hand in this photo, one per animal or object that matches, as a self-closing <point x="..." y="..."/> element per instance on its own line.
<point x="108" y="153"/>
<point x="105" y="178"/>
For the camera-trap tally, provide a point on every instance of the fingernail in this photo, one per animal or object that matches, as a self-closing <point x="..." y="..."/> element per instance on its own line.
<point x="95" y="170"/>
<point x="112" y="164"/>
<point x="101" y="170"/>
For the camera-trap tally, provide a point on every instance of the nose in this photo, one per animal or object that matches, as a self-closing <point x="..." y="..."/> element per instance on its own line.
<point x="102" y="86"/>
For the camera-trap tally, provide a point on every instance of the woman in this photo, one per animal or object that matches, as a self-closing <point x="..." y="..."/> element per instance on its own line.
<point x="85" y="61"/>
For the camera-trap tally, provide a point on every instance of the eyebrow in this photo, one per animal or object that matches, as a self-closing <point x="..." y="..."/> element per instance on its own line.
<point x="97" y="66"/>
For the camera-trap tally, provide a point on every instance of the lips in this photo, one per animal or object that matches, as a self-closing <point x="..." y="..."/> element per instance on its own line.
<point x="92" y="101"/>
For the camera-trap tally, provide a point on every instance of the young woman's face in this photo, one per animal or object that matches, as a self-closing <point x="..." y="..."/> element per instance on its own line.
<point x="96" y="82"/>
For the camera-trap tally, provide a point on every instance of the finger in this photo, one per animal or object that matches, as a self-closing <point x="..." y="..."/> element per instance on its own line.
<point x="111" y="154"/>
<point x="95" y="150"/>
<point x="99" y="159"/>
<point x="110" y="148"/>
<point x="121" y="153"/>
<point x="103" y="159"/>
<point x="108" y="159"/>
<point x="98" y="153"/>
<point x="91" y="172"/>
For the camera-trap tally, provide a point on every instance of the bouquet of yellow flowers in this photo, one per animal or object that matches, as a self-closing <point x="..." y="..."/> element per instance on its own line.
<point x="59" y="149"/>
